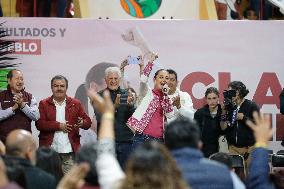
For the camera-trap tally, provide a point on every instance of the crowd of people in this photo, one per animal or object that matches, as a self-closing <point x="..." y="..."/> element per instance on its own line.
<point x="247" y="10"/>
<point x="150" y="139"/>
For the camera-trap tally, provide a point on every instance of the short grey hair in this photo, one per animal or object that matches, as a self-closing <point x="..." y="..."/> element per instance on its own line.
<point x="112" y="70"/>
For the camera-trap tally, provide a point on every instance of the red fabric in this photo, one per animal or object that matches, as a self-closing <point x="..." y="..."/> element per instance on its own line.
<point x="47" y="124"/>
<point x="156" y="125"/>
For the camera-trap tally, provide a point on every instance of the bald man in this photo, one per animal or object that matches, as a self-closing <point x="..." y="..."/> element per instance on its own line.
<point x="21" y="150"/>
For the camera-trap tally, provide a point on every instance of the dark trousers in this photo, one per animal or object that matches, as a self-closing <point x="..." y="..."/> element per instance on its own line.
<point x="123" y="149"/>
<point x="139" y="139"/>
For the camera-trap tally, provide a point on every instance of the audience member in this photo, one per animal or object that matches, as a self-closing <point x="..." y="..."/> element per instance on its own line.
<point x="258" y="177"/>
<point x="16" y="174"/>
<point x="182" y="137"/>
<point x="74" y="179"/>
<point x="226" y="159"/>
<point x="4" y="181"/>
<point x="21" y="150"/>
<point x="223" y="158"/>
<point x="88" y="154"/>
<point x="49" y="161"/>
<point x="250" y="14"/>
<point x="150" y="165"/>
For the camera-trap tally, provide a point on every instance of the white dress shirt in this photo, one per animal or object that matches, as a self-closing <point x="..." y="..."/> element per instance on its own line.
<point x="186" y="109"/>
<point x="61" y="142"/>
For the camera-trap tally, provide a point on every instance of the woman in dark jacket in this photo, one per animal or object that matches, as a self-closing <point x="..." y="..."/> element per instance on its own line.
<point x="208" y="119"/>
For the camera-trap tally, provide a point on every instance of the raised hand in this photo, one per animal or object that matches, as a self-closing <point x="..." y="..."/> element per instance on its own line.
<point x="176" y="102"/>
<point x="74" y="179"/>
<point x="103" y="104"/>
<point x="261" y="128"/>
<point x="123" y="64"/>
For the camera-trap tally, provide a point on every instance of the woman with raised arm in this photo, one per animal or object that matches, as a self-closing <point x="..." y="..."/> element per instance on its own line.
<point x="148" y="120"/>
<point x="160" y="170"/>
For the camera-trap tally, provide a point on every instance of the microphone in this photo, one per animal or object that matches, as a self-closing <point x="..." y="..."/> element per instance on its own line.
<point x="165" y="89"/>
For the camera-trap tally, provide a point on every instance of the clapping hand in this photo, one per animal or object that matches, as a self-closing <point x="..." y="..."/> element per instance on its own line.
<point x="18" y="99"/>
<point x="176" y="102"/>
<point x="65" y="127"/>
<point x="79" y="123"/>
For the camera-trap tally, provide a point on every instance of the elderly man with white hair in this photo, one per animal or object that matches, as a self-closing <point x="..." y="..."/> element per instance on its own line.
<point x="124" y="108"/>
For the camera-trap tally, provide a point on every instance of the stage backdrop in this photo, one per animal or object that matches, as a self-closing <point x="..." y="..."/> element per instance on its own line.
<point x="203" y="54"/>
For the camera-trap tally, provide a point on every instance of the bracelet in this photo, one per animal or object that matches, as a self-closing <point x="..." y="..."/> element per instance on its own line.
<point x="108" y="116"/>
<point x="260" y="145"/>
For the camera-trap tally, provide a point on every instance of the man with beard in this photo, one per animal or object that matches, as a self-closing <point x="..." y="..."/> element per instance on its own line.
<point x="60" y="119"/>
<point x="18" y="108"/>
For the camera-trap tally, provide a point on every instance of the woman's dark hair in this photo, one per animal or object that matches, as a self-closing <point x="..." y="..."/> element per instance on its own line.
<point x="158" y="71"/>
<point x="239" y="86"/>
<point x="211" y="90"/>
<point x="88" y="154"/>
<point x="152" y="166"/>
<point x="49" y="161"/>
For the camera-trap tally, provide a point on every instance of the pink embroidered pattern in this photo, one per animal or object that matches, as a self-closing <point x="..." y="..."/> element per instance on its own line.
<point x="167" y="105"/>
<point x="147" y="70"/>
<point x="139" y="126"/>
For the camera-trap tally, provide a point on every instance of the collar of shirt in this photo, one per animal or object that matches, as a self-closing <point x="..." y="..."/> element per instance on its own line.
<point x="57" y="104"/>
